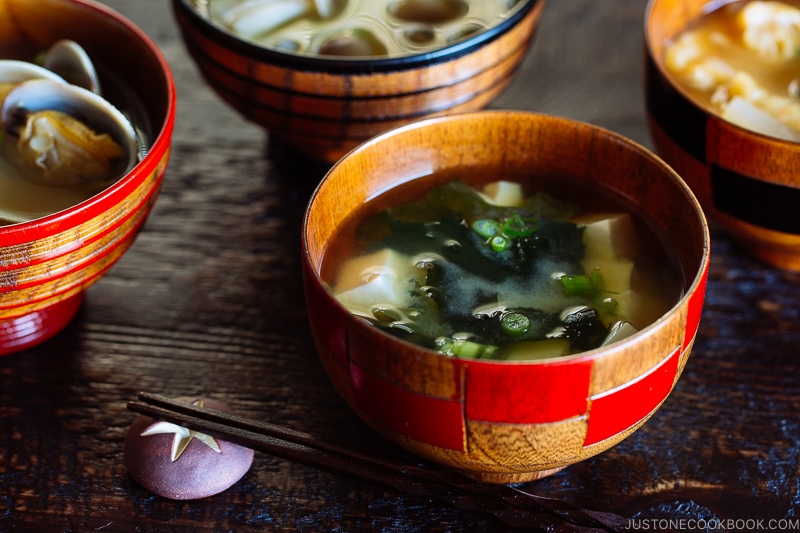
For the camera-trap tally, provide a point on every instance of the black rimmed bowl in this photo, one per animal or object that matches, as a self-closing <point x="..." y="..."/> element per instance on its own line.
<point x="322" y="106"/>
<point x="746" y="181"/>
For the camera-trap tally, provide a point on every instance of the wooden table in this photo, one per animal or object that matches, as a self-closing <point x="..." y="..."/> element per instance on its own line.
<point x="209" y="302"/>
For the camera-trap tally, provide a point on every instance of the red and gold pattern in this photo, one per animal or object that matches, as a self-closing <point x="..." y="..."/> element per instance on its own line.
<point x="47" y="264"/>
<point x="747" y="182"/>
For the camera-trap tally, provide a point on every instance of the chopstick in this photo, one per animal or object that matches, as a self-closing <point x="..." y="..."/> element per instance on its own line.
<point x="506" y="503"/>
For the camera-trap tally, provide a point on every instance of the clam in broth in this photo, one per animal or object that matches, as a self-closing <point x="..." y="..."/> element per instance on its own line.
<point x="357" y="28"/>
<point x="60" y="143"/>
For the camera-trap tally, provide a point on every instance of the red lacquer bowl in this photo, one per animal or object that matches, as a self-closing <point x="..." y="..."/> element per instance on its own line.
<point x="323" y="106"/>
<point x="48" y="263"/>
<point x="504" y="421"/>
<point x="749" y="183"/>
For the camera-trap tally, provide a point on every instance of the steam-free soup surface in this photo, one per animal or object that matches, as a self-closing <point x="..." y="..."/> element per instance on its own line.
<point x="357" y="28"/>
<point x="742" y="62"/>
<point x="503" y="272"/>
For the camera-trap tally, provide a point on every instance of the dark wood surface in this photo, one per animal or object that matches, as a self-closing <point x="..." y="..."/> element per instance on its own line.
<point x="209" y="302"/>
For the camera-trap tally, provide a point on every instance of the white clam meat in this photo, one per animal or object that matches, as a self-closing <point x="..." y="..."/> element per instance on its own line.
<point x="64" y="135"/>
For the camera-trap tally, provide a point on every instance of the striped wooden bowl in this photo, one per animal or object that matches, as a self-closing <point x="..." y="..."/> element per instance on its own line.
<point x="323" y="106"/>
<point x="47" y="264"/>
<point x="747" y="182"/>
<point x="504" y="422"/>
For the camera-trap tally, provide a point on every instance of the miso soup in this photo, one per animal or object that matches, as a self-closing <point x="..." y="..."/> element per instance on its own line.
<point x="741" y="61"/>
<point x="504" y="272"/>
<point x="357" y="28"/>
<point x="24" y="198"/>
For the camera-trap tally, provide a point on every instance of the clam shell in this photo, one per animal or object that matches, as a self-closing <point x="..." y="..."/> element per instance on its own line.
<point x="13" y="71"/>
<point x="69" y="60"/>
<point x="89" y="108"/>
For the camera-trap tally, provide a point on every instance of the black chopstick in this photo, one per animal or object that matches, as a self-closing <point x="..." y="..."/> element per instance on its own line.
<point x="512" y="506"/>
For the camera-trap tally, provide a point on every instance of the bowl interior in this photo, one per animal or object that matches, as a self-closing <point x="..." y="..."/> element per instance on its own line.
<point x="517" y="141"/>
<point x="131" y="69"/>
<point x="329" y="63"/>
<point x="667" y="18"/>
<point x="134" y="77"/>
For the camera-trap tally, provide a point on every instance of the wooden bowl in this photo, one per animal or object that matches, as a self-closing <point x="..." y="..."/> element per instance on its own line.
<point x="323" y="106"/>
<point x="47" y="264"/>
<point x="504" y="422"/>
<point x="749" y="183"/>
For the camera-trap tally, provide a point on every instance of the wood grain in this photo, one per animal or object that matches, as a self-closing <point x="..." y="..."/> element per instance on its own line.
<point x="746" y="181"/>
<point x="208" y="301"/>
<point x="323" y="107"/>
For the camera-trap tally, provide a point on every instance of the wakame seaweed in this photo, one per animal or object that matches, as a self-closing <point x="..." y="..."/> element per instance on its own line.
<point x="440" y="231"/>
<point x="441" y="224"/>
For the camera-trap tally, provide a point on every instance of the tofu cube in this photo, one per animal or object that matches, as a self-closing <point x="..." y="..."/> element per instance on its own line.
<point x="503" y="193"/>
<point x="384" y="277"/>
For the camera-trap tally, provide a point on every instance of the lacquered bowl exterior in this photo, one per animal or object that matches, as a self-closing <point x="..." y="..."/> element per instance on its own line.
<point x="747" y="182"/>
<point x="47" y="264"/>
<point x="504" y="422"/>
<point x="323" y="107"/>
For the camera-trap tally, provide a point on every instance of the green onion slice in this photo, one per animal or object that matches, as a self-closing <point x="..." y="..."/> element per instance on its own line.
<point x="487" y="228"/>
<point x="499" y="243"/>
<point x="515" y="324"/>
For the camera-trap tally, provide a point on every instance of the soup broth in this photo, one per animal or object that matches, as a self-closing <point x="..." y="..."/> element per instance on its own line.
<point x="503" y="273"/>
<point x="742" y="62"/>
<point x="359" y="28"/>
<point x="22" y="199"/>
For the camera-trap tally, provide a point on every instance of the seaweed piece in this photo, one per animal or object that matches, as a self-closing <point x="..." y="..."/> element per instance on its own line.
<point x="553" y="240"/>
<point x="583" y="328"/>
<point x="450" y="239"/>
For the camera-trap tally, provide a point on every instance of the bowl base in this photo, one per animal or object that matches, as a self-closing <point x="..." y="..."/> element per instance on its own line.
<point x="26" y="331"/>
<point x="505" y="478"/>
<point x="776" y="249"/>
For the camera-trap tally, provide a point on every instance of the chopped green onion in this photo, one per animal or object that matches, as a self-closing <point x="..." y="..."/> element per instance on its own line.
<point x="470" y="350"/>
<point x="515" y="226"/>
<point x="466" y="349"/>
<point x="446" y="348"/>
<point x="577" y="285"/>
<point x="515" y="324"/>
<point x="499" y="243"/>
<point x="487" y="228"/>
<point x="582" y="285"/>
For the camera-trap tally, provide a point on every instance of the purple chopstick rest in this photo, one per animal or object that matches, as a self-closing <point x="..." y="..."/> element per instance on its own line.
<point x="182" y="464"/>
